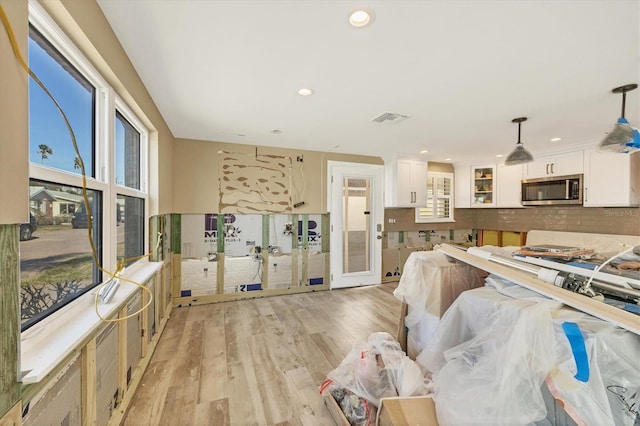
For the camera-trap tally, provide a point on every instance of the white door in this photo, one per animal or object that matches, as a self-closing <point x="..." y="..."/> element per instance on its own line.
<point x="356" y="214"/>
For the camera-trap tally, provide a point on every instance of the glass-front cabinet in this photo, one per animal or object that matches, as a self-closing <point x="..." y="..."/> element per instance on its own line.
<point x="483" y="186"/>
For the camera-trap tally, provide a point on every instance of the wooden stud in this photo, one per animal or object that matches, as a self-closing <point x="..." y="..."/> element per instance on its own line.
<point x="214" y="298"/>
<point x="144" y="318"/>
<point x="220" y="274"/>
<point x="122" y="353"/>
<point x="305" y="249"/>
<point x="176" y="233"/>
<point x="157" y="282"/>
<point x="295" y="273"/>
<point x="10" y="313"/>
<point x="264" y="282"/>
<point x="89" y="402"/>
<point x="13" y="417"/>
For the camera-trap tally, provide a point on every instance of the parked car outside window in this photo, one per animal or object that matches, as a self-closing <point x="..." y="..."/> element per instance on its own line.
<point x="27" y="229"/>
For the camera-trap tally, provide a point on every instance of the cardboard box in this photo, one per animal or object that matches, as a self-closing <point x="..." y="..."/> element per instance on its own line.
<point x="419" y="410"/>
<point x="398" y="411"/>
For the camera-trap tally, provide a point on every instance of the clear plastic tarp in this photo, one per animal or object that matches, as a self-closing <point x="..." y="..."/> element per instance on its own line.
<point x="429" y="284"/>
<point x="496" y="347"/>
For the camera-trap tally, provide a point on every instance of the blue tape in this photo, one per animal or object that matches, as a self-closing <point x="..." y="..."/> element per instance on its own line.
<point x="576" y="341"/>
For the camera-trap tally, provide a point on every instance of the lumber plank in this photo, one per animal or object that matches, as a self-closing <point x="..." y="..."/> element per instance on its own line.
<point x="585" y="304"/>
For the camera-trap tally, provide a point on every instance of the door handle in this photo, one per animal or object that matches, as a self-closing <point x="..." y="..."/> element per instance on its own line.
<point x="551" y="168"/>
<point x="547" y="168"/>
<point x="379" y="237"/>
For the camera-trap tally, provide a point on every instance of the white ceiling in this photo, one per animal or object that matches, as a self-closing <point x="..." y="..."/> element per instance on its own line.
<point x="224" y="70"/>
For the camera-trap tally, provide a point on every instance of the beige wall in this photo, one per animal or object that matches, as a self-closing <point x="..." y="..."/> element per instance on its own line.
<point x="196" y="174"/>
<point x="84" y="22"/>
<point x="14" y="149"/>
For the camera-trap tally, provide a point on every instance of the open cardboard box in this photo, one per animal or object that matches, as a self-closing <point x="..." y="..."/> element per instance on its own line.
<point x="398" y="411"/>
<point x="395" y="411"/>
<point x="413" y="410"/>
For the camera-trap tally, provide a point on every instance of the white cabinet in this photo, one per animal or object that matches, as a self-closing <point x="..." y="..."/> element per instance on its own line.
<point x="568" y="163"/>
<point x="611" y="179"/>
<point x="462" y="188"/>
<point x="509" y="185"/>
<point x="483" y="186"/>
<point x="410" y="186"/>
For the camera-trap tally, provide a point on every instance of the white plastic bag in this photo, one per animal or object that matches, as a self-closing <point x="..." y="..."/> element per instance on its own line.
<point x="376" y="369"/>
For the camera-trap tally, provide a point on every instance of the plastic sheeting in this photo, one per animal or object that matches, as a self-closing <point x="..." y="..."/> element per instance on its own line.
<point x="376" y="369"/>
<point x="493" y="350"/>
<point x="429" y="284"/>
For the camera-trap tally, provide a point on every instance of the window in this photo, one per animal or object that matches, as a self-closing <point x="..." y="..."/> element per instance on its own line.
<point x="56" y="257"/>
<point x="439" y="206"/>
<point x="130" y="201"/>
<point x="49" y="141"/>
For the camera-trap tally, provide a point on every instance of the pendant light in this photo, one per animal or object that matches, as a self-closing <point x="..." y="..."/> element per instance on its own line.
<point x="623" y="138"/>
<point x="519" y="155"/>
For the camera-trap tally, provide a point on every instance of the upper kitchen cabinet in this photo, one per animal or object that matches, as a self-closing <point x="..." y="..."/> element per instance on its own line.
<point x="568" y="163"/>
<point x="408" y="184"/>
<point x="509" y="185"/>
<point x="611" y="179"/>
<point x="483" y="183"/>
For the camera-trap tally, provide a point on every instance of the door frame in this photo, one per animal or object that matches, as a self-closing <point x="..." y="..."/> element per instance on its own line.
<point x="340" y="170"/>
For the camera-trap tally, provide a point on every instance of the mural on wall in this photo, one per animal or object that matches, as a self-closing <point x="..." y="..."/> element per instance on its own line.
<point x="254" y="183"/>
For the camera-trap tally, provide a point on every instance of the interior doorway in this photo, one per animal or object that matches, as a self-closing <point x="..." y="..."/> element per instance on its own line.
<point x="355" y="199"/>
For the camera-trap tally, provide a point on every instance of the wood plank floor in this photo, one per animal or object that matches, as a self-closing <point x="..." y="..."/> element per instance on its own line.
<point x="257" y="362"/>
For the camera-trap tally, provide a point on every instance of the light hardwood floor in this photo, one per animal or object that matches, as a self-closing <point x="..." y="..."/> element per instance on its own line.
<point x="257" y="362"/>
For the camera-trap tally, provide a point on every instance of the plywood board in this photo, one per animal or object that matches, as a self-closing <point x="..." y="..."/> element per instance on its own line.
<point x="585" y="304"/>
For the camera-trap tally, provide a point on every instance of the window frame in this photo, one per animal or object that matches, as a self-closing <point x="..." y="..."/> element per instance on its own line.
<point x="106" y="103"/>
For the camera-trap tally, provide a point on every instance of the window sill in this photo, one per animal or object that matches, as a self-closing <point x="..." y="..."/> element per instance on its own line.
<point x="45" y="345"/>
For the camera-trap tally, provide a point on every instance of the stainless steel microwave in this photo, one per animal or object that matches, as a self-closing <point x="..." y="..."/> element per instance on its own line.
<point x="552" y="190"/>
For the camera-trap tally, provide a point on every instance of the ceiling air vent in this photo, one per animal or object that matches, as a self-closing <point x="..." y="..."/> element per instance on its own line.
<point x="390" y="117"/>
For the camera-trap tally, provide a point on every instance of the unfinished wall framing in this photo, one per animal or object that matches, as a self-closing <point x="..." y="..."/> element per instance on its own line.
<point x="236" y="256"/>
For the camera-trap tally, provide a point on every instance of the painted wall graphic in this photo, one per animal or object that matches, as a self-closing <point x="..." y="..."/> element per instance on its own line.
<point x="254" y="183"/>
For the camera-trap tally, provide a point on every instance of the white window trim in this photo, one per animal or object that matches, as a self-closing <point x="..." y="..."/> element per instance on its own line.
<point x="47" y="343"/>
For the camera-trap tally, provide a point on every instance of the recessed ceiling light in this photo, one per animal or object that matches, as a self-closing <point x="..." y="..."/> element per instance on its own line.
<point x="305" y="91"/>
<point x="424" y="151"/>
<point x="499" y="155"/>
<point x="360" y="18"/>
<point x="276" y="131"/>
<point x="447" y="159"/>
<point x="556" y="139"/>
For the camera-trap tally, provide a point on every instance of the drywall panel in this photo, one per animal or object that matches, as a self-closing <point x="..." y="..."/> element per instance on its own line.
<point x="134" y="335"/>
<point x="254" y="183"/>
<point x="106" y="372"/>
<point x="59" y="403"/>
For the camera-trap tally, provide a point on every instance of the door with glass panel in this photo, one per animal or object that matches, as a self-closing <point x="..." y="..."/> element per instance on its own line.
<point x="356" y="213"/>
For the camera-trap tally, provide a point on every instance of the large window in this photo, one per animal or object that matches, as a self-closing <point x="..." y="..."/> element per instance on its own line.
<point x="57" y="257"/>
